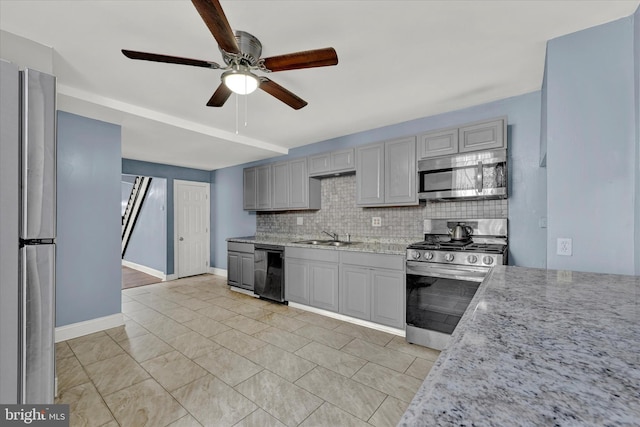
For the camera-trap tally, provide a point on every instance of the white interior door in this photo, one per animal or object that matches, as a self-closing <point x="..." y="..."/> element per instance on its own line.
<point x="191" y="226"/>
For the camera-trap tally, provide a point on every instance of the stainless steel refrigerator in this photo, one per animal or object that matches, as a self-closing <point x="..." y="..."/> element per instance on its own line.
<point x="27" y="235"/>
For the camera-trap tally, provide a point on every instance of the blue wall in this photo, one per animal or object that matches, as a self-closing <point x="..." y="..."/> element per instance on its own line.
<point x="528" y="180"/>
<point x="88" y="265"/>
<point x="136" y="167"/>
<point x="591" y="148"/>
<point x="148" y="242"/>
<point x="636" y="75"/>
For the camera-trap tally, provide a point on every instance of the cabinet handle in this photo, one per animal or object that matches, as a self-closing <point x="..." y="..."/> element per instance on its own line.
<point x="479" y="178"/>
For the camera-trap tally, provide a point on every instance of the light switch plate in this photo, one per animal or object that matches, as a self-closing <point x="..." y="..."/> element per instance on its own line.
<point x="376" y="221"/>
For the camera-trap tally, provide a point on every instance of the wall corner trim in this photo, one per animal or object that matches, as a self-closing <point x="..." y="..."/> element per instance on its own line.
<point x="87" y="327"/>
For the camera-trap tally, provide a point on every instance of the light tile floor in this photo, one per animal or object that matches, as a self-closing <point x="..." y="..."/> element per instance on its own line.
<point x="194" y="353"/>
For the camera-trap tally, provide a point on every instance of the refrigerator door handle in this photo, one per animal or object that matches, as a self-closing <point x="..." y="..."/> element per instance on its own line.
<point x="23" y="325"/>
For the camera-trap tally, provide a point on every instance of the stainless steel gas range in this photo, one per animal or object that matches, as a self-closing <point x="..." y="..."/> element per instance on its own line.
<point x="444" y="272"/>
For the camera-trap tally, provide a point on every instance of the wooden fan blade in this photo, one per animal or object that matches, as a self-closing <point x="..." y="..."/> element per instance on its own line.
<point x="213" y="16"/>
<point x="306" y="59"/>
<point x="145" y="56"/>
<point x="289" y="98"/>
<point x="220" y="96"/>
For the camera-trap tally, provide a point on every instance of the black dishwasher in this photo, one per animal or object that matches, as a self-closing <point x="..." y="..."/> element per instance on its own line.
<point x="269" y="272"/>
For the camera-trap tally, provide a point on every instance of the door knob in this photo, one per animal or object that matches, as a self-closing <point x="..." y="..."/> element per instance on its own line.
<point x="181" y="239"/>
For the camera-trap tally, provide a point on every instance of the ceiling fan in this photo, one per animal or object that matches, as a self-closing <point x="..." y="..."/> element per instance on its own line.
<point x="241" y="53"/>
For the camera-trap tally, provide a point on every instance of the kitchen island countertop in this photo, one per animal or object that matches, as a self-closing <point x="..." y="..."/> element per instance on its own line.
<point x="539" y="348"/>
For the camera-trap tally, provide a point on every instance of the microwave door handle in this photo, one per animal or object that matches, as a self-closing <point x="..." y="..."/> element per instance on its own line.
<point x="479" y="178"/>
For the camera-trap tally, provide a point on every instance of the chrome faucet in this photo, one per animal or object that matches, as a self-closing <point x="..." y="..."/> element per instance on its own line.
<point x="334" y="236"/>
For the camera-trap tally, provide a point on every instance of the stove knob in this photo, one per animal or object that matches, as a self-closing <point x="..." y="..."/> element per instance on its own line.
<point x="415" y="254"/>
<point x="428" y="255"/>
<point x="472" y="259"/>
<point x="448" y="257"/>
<point x="487" y="260"/>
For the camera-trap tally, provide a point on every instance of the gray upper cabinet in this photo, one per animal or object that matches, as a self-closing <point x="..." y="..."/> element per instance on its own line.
<point x="280" y="186"/>
<point x="439" y="143"/>
<point x="370" y="175"/>
<point x="263" y="187"/>
<point x="298" y="184"/>
<point x="400" y="172"/>
<point x="249" y="189"/>
<point x="335" y="162"/>
<point x="478" y="136"/>
<point x="386" y="173"/>
<point x="483" y="136"/>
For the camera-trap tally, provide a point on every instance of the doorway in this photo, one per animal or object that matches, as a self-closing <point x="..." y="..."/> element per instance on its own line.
<point x="191" y="227"/>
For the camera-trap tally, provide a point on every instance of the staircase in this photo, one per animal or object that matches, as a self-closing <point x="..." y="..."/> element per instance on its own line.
<point x="134" y="206"/>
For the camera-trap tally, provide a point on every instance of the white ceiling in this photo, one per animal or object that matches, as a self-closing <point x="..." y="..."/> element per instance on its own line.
<point x="398" y="61"/>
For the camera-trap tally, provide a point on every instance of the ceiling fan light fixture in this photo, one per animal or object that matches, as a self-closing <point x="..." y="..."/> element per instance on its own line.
<point x="240" y="80"/>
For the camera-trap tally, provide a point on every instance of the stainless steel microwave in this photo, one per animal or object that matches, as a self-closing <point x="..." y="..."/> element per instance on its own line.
<point x="470" y="176"/>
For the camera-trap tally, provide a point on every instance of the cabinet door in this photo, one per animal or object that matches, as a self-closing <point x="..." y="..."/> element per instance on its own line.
<point x="249" y="189"/>
<point x="296" y="280"/>
<point x="280" y="185"/>
<point x="400" y="172"/>
<point x="343" y="160"/>
<point x="263" y="187"/>
<point x="355" y="292"/>
<point x="323" y="285"/>
<point x="370" y="175"/>
<point x="246" y="268"/>
<point x="482" y="136"/>
<point x="319" y="164"/>
<point x="233" y="268"/>
<point x="387" y="304"/>
<point x="440" y="143"/>
<point x="298" y="184"/>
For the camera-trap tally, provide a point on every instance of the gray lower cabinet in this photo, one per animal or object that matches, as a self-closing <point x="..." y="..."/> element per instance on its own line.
<point x="372" y="287"/>
<point x="240" y="265"/>
<point x="386" y="173"/>
<point x="311" y="277"/>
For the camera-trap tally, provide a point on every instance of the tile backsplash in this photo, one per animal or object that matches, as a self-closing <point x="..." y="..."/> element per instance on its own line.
<point x="339" y="214"/>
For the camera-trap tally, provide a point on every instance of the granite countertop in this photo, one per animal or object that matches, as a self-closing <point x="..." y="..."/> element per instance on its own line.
<point x="390" y="247"/>
<point x="539" y="348"/>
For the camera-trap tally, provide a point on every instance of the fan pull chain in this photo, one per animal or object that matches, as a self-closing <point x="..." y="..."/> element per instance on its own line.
<point x="236" y="114"/>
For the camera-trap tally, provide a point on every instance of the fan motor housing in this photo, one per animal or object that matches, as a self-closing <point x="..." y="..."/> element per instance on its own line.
<point x="250" y="48"/>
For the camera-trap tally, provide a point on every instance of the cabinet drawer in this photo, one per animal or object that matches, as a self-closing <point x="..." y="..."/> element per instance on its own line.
<point x="326" y="255"/>
<point x="392" y="262"/>
<point x="240" y="247"/>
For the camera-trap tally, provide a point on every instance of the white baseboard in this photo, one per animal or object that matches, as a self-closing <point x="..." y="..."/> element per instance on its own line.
<point x="147" y="270"/>
<point x="171" y="277"/>
<point x="87" y="327"/>
<point x="360" y="322"/>
<point x="218" y="271"/>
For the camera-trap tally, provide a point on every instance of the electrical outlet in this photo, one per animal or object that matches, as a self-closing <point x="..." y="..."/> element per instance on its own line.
<point x="564" y="246"/>
<point x="300" y="220"/>
<point x="376" y="221"/>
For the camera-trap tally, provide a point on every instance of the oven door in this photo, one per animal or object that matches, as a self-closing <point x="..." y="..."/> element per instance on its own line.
<point x="439" y="294"/>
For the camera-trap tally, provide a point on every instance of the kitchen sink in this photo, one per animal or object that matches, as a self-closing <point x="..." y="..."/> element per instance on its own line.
<point x="324" y="242"/>
<point x="314" y="242"/>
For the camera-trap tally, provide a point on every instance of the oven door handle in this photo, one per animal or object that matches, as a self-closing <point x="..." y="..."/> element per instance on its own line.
<point x="475" y="274"/>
